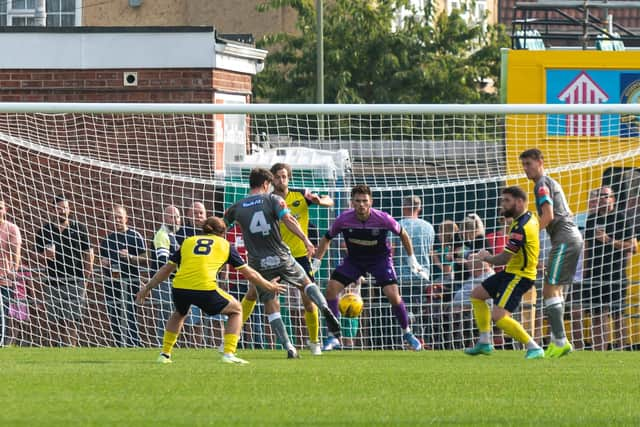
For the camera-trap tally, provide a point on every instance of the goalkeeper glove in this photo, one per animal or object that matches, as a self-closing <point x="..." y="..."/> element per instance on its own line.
<point x="315" y="265"/>
<point x="416" y="268"/>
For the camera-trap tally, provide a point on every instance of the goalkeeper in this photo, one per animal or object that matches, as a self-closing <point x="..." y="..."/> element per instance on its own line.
<point x="200" y="259"/>
<point x="365" y="231"/>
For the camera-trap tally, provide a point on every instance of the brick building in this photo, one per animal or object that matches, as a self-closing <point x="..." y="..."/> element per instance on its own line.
<point x="84" y="64"/>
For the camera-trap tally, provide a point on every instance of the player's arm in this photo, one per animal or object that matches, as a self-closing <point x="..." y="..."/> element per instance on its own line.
<point x="321" y="200"/>
<point x="500" y="259"/>
<point x="161" y="276"/>
<point x="323" y="245"/>
<point x="546" y="215"/>
<point x="406" y="242"/>
<point x="292" y="225"/>
<point x="414" y="265"/>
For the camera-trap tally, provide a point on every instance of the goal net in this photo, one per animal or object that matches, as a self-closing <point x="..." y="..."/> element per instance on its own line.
<point x="119" y="168"/>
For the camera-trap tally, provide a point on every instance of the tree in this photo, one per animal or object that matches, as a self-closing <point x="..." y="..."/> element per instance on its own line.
<point x="371" y="59"/>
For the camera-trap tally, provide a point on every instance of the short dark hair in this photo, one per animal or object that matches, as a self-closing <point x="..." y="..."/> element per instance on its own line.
<point x="532" y="153"/>
<point x="361" y="189"/>
<point x="516" y="192"/>
<point x="277" y="166"/>
<point x="59" y="198"/>
<point x="214" y="225"/>
<point x="259" y="176"/>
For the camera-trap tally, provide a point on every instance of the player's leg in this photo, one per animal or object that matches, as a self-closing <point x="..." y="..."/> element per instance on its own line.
<point x="482" y="316"/>
<point x="182" y="301"/>
<point x="248" y="303"/>
<point x="311" y="317"/>
<point x="272" y="309"/>
<point x="506" y="301"/>
<point x="336" y="285"/>
<point x="297" y="272"/>
<point x="390" y="290"/>
<point x="233" y="311"/>
<point x="561" y="267"/>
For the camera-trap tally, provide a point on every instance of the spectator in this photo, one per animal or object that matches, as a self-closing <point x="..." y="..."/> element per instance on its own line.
<point x="164" y="243"/>
<point x="64" y="244"/>
<point x="448" y="239"/>
<point x="122" y="254"/>
<point x="10" y="253"/>
<point x="609" y="240"/>
<point x="422" y="235"/>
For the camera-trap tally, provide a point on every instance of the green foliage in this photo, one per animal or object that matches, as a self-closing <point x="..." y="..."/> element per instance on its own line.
<point x="368" y="60"/>
<point x="125" y="387"/>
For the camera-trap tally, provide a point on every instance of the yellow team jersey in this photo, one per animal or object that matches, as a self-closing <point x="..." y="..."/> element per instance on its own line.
<point x="299" y="207"/>
<point x="199" y="260"/>
<point x="524" y="244"/>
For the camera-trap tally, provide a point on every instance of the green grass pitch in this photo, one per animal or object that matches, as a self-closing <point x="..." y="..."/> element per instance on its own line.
<point x="125" y="387"/>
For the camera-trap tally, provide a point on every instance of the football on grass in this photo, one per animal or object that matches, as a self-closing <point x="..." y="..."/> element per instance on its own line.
<point x="351" y="305"/>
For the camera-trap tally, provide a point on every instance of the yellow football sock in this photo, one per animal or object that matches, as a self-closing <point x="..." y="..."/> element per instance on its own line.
<point x="482" y="314"/>
<point x="247" y="308"/>
<point x="168" y="341"/>
<point x="513" y="329"/>
<point x="312" y="321"/>
<point x="230" y="343"/>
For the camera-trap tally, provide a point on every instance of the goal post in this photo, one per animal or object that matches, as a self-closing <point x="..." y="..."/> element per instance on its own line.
<point x="454" y="158"/>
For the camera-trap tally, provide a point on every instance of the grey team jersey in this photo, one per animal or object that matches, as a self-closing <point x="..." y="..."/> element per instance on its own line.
<point x="547" y="190"/>
<point x="259" y="218"/>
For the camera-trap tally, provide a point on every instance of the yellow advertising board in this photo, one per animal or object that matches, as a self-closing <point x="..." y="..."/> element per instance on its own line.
<point x="581" y="149"/>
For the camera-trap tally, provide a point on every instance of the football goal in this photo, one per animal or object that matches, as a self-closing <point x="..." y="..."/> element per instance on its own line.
<point x="85" y="182"/>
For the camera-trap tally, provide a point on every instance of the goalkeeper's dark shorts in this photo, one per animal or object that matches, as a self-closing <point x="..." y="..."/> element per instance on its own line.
<point x="211" y="302"/>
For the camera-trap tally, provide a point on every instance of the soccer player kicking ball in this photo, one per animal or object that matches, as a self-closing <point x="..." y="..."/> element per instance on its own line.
<point x="566" y="247"/>
<point x="507" y="287"/>
<point x="200" y="258"/>
<point x="365" y="231"/>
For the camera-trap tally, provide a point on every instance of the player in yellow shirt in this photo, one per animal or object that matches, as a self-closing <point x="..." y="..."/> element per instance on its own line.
<point x="198" y="261"/>
<point x="507" y="287"/>
<point x="298" y="202"/>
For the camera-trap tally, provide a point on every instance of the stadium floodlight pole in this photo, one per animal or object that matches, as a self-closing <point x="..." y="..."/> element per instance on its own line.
<point x="320" y="64"/>
<point x="319" y="53"/>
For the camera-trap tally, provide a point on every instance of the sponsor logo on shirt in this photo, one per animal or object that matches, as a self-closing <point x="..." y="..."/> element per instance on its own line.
<point x="252" y="203"/>
<point x="363" y="242"/>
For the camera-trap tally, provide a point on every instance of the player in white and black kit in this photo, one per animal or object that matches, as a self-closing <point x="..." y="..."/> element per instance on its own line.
<point x="259" y="216"/>
<point x="566" y="246"/>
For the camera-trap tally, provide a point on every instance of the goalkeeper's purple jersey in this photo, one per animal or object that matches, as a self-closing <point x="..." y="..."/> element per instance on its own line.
<point x="365" y="240"/>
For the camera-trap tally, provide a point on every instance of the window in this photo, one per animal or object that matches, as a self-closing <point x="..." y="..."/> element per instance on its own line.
<point x="60" y="13"/>
<point x="403" y="13"/>
<point x="472" y="11"/>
